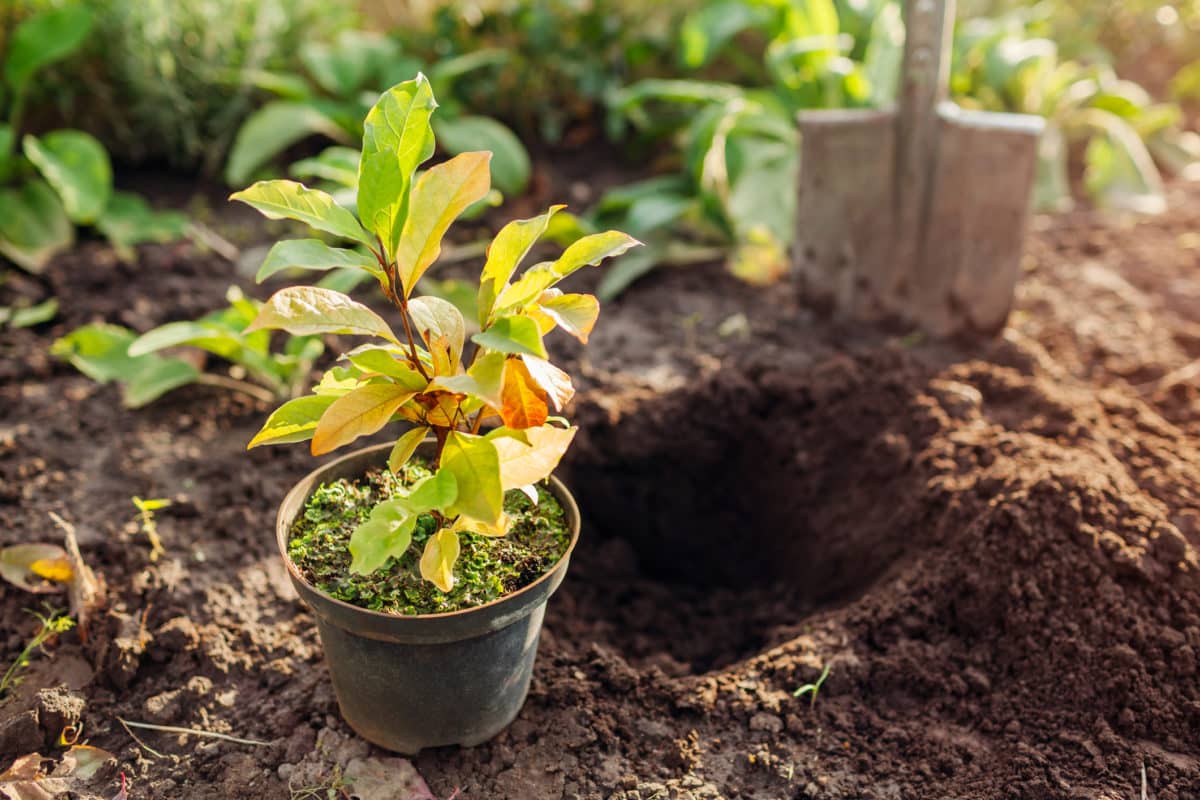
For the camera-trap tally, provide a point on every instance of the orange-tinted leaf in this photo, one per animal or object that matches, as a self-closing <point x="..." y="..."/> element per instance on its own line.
<point x="359" y="413"/>
<point x="523" y="402"/>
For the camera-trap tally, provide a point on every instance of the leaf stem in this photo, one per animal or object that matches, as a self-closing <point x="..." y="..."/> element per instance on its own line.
<point x="412" y="342"/>
<point x="257" y="392"/>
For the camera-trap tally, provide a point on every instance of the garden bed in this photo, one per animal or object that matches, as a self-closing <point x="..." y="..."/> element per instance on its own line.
<point x="992" y="546"/>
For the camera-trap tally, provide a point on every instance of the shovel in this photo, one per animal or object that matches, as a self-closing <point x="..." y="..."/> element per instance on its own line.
<point x="916" y="213"/>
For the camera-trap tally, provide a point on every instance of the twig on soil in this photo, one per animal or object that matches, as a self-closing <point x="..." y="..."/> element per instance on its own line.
<point x="85" y="592"/>
<point x="1175" y="376"/>
<point x="140" y="743"/>
<point x="1144" y="787"/>
<point x="204" y="235"/>
<point x="233" y="384"/>
<point x="191" y="732"/>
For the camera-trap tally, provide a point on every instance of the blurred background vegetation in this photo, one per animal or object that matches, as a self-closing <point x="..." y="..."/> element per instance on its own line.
<point x="696" y="95"/>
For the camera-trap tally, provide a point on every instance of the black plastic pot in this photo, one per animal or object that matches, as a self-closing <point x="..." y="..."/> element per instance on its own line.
<point x="407" y="683"/>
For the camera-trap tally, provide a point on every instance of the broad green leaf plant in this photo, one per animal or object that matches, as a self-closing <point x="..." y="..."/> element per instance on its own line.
<point x="328" y="101"/>
<point x="737" y="144"/>
<point x="489" y="401"/>
<point x="51" y="183"/>
<point x="106" y="352"/>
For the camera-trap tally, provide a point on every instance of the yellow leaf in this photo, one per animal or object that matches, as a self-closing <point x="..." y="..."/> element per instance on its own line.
<point x="53" y="569"/>
<point x="360" y="413"/>
<point x="405" y="446"/>
<point x="438" y="197"/>
<point x="575" y="313"/>
<point x="498" y="528"/>
<point x="522" y="401"/>
<point x="437" y="562"/>
<point x="522" y="464"/>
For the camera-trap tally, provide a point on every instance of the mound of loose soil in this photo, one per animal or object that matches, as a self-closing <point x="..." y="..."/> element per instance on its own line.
<point x="992" y="546"/>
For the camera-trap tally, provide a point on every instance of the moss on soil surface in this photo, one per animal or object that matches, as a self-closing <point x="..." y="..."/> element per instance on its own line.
<point x="489" y="567"/>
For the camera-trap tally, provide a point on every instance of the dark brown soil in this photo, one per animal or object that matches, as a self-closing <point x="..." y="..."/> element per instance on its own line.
<point x="993" y="545"/>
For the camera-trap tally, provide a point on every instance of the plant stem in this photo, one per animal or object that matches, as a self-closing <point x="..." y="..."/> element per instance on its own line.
<point x="412" y="342"/>
<point x="441" y="434"/>
<point x="257" y="392"/>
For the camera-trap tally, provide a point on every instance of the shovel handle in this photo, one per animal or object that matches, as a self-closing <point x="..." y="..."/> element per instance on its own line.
<point x="925" y="81"/>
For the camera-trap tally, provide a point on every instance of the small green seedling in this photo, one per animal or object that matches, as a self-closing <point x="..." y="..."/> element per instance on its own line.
<point x="813" y="688"/>
<point x="53" y="623"/>
<point x="145" y="517"/>
<point x="446" y="385"/>
<point x="106" y="353"/>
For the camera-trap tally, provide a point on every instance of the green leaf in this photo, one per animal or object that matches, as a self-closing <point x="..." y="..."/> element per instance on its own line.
<point x="483" y="380"/>
<point x="1120" y="172"/>
<point x="173" y="334"/>
<point x="307" y="310"/>
<point x="384" y="361"/>
<point x="405" y="446"/>
<point x="588" y="251"/>
<point x="884" y="54"/>
<point x="77" y="166"/>
<point x="397" y="138"/>
<point x="128" y="220"/>
<point x="432" y="493"/>
<point x="439" y="196"/>
<point x="34" y="315"/>
<point x="313" y="254"/>
<point x="438" y="559"/>
<point x="270" y="131"/>
<point x="516" y="335"/>
<point x="359" y="413"/>
<point x="7" y="137"/>
<point x="339" y="68"/>
<point x="387" y="533"/>
<point x="475" y="464"/>
<point x="510" y="166"/>
<point x="338" y="381"/>
<point x="706" y="31"/>
<point x="337" y="164"/>
<point x="574" y="313"/>
<point x="291" y="200"/>
<point x="44" y="38"/>
<point x="441" y="325"/>
<point x="294" y="421"/>
<point x="99" y="351"/>
<point x="33" y="225"/>
<point x="159" y="376"/>
<point x="504" y="255"/>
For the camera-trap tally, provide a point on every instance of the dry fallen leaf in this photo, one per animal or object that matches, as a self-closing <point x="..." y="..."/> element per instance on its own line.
<point x="386" y="779"/>
<point x="25" y="779"/>
<point x="36" y="568"/>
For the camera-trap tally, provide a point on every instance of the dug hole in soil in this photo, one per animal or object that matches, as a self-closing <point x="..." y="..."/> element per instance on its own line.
<point x="991" y="546"/>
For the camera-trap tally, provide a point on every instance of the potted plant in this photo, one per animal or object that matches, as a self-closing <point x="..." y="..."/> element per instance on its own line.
<point x="427" y="561"/>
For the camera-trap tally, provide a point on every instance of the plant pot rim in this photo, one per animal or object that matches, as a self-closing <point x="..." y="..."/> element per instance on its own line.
<point x="284" y="520"/>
